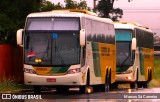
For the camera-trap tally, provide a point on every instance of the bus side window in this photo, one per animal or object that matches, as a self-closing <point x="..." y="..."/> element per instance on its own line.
<point x="83" y="55"/>
<point x="27" y="41"/>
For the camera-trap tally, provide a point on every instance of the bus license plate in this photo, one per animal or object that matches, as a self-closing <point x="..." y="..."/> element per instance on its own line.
<point x="51" y="80"/>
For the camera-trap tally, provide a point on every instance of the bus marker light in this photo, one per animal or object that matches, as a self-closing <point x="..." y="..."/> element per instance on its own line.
<point x="129" y="90"/>
<point x="129" y="77"/>
<point x="89" y="89"/>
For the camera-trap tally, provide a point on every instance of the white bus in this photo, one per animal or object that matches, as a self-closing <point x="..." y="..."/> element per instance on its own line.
<point x="135" y="54"/>
<point x="68" y="48"/>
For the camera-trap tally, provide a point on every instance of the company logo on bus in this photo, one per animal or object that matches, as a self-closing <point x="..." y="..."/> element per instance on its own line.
<point x="41" y="69"/>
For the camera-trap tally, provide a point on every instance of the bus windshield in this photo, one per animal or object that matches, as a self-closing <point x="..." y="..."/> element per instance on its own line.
<point x="123" y="45"/>
<point x="123" y="53"/>
<point x="52" y="48"/>
<point x="55" y="43"/>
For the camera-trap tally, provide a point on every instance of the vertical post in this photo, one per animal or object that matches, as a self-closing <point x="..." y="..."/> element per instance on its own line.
<point x="94" y="3"/>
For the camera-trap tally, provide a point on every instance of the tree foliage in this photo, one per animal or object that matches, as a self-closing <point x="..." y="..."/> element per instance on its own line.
<point x="12" y="17"/>
<point x="104" y="7"/>
<point x="156" y="39"/>
<point x="75" y="5"/>
<point x="14" y="12"/>
<point x="115" y="14"/>
<point x="48" y="6"/>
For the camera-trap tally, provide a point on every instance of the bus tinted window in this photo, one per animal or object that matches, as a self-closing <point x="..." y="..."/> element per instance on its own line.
<point x="123" y="35"/>
<point x="52" y="24"/>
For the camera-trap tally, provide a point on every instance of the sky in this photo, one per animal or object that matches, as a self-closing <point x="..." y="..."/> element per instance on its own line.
<point x="144" y="12"/>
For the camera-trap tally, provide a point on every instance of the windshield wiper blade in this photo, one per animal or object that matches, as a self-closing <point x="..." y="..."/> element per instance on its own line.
<point x="124" y="60"/>
<point x="61" y="59"/>
<point x="46" y="50"/>
<point x="57" y="50"/>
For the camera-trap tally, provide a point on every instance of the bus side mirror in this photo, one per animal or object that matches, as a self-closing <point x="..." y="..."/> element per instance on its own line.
<point x="82" y="37"/>
<point x="20" y="37"/>
<point x="134" y="43"/>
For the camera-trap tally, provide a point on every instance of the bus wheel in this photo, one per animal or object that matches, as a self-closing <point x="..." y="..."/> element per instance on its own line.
<point x="114" y="86"/>
<point x="146" y="83"/>
<point x="37" y="89"/>
<point x="83" y="89"/>
<point x="132" y="85"/>
<point x="62" y="89"/>
<point x="107" y="82"/>
<point x="139" y="84"/>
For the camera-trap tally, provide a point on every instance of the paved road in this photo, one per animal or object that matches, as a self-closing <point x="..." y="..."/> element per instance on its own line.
<point x="120" y="95"/>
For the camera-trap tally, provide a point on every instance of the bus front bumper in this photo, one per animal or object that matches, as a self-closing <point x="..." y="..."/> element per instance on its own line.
<point x="68" y="79"/>
<point x="124" y="78"/>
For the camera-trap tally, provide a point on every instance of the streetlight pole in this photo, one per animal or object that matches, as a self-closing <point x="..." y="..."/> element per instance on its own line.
<point x="94" y="3"/>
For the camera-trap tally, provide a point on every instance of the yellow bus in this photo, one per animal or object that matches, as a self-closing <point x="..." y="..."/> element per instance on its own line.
<point x="68" y="48"/>
<point x="135" y="54"/>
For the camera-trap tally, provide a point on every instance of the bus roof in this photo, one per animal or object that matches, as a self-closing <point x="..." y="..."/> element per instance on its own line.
<point x="130" y="25"/>
<point x="71" y="13"/>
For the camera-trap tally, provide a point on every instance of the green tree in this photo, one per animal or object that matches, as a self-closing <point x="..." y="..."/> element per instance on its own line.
<point x="48" y="6"/>
<point x="12" y="17"/>
<point x="115" y="14"/>
<point x="14" y="12"/>
<point x="83" y="5"/>
<point x="156" y="39"/>
<point x="69" y="4"/>
<point x="104" y="7"/>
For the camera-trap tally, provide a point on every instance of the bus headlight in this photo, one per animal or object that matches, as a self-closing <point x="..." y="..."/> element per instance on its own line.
<point x="72" y="71"/>
<point x="31" y="71"/>
<point x="38" y="60"/>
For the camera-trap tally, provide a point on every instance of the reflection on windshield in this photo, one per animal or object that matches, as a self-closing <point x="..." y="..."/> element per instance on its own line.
<point x="53" y="48"/>
<point x="123" y="53"/>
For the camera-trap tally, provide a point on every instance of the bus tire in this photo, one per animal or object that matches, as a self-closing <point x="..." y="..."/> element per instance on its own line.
<point x="139" y="85"/>
<point x="114" y="86"/>
<point x="37" y="89"/>
<point x="83" y="89"/>
<point x="133" y="84"/>
<point x="107" y="82"/>
<point x="146" y="83"/>
<point x="62" y="89"/>
<point x="150" y="76"/>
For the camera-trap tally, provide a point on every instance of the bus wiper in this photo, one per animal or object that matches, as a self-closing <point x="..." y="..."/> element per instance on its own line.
<point x="57" y="50"/>
<point x="46" y="50"/>
<point x="124" y="60"/>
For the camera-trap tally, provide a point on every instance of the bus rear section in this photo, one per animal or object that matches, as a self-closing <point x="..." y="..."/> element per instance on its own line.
<point x="58" y="53"/>
<point x="135" y="54"/>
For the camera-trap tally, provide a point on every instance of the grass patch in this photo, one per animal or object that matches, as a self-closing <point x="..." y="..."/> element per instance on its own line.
<point x="8" y="85"/>
<point x="156" y="81"/>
